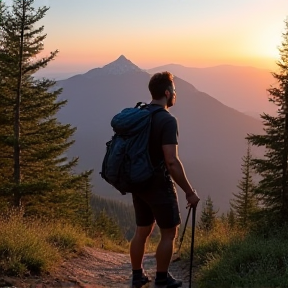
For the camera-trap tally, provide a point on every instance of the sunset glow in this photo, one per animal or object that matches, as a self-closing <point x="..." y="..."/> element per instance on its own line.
<point x="92" y="33"/>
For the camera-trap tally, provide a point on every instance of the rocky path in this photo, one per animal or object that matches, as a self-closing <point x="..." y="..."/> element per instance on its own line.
<point x="95" y="268"/>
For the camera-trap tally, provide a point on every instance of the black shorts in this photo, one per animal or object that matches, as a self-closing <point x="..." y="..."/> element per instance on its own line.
<point x="159" y="202"/>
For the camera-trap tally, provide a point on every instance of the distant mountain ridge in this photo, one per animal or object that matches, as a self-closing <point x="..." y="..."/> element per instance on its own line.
<point x="211" y="135"/>
<point x="239" y="87"/>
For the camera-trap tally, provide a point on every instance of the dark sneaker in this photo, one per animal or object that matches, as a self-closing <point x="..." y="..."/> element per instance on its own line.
<point x="169" y="282"/>
<point x="139" y="280"/>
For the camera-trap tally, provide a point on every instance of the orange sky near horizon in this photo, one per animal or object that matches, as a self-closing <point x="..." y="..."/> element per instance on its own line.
<point x="72" y="62"/>
<point x="93" y="33"/>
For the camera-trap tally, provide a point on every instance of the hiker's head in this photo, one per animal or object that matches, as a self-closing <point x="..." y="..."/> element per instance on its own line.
<point x="161" y="85"/>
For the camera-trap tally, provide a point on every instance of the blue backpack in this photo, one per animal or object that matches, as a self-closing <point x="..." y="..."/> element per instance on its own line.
<point x="126" y="164"/>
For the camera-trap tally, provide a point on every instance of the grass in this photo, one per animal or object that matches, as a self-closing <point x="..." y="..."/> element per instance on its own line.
<point x="33" y="246"/>
<point x="233" y="259"/>
<point x="66" y="237"/>
<point x="122" y="246"/>
<point x="105" y="242"/>
<point x="224" y="257"/>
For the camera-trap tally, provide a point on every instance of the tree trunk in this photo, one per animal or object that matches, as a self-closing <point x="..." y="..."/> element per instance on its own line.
<point x="17" y="148"/>
<point x="284" y="211"/>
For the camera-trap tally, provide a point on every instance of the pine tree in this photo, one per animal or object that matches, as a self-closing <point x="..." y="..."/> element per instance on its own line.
<point x="33" y="143"/>
<point x="105" y="225"/>
<point x="231" y="219"/>
<point x="4" y="156"/>
<point x="244" y="203"/>
<point x="83" y="205"/>
<point x="208" y="215"/>
<point x="121" y="213"/>
<point x="272" y="189"/>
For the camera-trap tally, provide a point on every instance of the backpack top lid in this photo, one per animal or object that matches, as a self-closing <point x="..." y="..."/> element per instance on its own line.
<point x="131" y="121"/>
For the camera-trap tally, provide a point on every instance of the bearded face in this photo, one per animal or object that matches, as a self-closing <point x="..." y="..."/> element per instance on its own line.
<point x="171" y="100"/>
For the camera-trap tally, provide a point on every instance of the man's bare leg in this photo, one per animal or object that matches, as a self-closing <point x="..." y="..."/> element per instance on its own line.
<point x="165" y="248"/>
<point x="163" y="257"/>
<point x="137" y="246"/>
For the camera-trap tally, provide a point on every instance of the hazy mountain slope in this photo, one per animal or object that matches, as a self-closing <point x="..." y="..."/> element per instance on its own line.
<point x="212" y="142"/>
<point x="242" y="88"/>
<point x="211" y="134"/>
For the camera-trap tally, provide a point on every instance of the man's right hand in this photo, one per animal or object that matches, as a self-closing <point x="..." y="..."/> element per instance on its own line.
<point x="192" y="199"/>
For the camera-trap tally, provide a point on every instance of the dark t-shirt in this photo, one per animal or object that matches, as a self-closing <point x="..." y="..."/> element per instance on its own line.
<point x="159" y="201"/>
<point x="164" y="130"/>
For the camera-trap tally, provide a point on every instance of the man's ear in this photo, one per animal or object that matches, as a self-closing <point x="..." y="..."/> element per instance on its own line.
<point x="167" y="93"/>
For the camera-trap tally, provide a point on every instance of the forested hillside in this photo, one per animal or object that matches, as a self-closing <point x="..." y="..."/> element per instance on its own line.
<point x="121" y="213"/>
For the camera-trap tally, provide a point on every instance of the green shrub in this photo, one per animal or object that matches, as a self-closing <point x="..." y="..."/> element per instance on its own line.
<point x="251" y="263"/>
<point x="229" y="258"/>
<point x="210" y="243"/>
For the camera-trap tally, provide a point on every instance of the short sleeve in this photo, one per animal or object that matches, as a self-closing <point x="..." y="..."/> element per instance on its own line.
<point x="170" y="132"/>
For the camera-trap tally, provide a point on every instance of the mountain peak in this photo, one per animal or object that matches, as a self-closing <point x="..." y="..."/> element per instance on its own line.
<point x="122" y="58"/>
<point x="120" y="66"/>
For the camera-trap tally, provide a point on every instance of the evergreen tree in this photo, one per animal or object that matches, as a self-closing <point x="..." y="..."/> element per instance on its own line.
<point x="223" y="218"/>
<point x="84" y="207"/>
<point x="272" y="189"/>
<point x="244" y="204"/>
<point x="121" y="213"/>
<point x="208" y="215"/>
<point x="231" y="219"/>
<point x="33" y="143"/>
<point x="105" y="225"/>
<point x="4" y="156"/>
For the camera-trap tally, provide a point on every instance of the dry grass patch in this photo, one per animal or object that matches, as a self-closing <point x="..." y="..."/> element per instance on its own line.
<point x="34" y="246"/>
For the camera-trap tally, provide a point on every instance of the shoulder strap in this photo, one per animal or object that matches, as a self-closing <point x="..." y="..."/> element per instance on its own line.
<point x="143" y="105"/>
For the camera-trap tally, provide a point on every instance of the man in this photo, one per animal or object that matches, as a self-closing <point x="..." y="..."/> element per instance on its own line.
<point x="160" y="202"/>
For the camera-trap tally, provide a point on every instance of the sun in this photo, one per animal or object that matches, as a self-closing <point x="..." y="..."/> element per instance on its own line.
<point x="269" y="42"/>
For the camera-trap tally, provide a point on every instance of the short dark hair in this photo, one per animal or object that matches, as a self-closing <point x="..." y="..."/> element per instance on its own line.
<point x="159" y="83"/>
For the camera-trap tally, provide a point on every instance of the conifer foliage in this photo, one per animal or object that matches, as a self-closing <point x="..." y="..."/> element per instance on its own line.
<point x="273" y="187"/>
<point x="107" y="226"/>
<point x="231" y="218"/>
<point x="208" y="215"/>
<point x="244" y="203"/>
<point x="120" y="213"/>
<point x="34" y="169"/>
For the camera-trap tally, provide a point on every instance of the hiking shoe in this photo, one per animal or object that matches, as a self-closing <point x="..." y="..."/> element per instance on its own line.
<point x="139" y="280"/>
<point x="170" y="282"/>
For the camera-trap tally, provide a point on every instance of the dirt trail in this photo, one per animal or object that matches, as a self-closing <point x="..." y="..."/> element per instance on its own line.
<point x="95" y="268"/>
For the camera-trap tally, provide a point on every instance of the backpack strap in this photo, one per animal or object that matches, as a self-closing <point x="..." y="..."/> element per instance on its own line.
<point x="141" y="105"/>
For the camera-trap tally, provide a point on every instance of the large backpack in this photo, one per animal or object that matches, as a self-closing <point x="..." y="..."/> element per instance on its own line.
<point x="127" y="165"/>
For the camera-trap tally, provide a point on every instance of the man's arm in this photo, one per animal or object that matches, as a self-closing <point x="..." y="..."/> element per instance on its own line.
<point x="177" y="172"/>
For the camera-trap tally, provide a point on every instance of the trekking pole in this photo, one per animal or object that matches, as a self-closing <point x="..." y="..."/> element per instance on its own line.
<point x="182" y="236"/>
<point x="192" y="245"/>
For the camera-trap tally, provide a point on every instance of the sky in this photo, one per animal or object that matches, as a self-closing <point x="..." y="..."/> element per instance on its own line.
<point x="150" y="33"/>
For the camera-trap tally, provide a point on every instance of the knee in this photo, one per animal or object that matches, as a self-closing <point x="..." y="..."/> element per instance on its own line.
<point x="143" y="232"/>
<point x="170" y="233"/>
